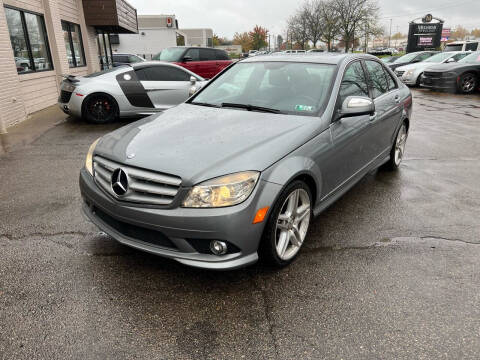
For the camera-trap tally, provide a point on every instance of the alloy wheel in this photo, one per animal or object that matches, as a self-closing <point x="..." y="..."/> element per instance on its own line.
<point x="468" y="83"/>
<point x="400" y="144"/>
<point x="292" y="224"/>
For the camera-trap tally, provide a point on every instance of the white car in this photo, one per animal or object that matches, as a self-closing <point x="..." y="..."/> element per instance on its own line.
<point x="143" y="88"/>
<point x="410" y="74"/>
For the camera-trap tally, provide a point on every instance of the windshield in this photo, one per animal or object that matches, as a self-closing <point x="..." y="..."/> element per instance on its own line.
<point x="170" y="54"/>
<point x="457" y="47"/>
<point x="406" y="58"/>
<point x="473" y="58"/>
<point x="284" y="87"/>
<point x="438" y="58"/>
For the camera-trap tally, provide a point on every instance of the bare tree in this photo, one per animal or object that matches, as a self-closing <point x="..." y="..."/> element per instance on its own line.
<point x="329" y="23"/>
<point x="353" y="17"/>
<point x="313" y="15"/>
<point x="298" y="28"/>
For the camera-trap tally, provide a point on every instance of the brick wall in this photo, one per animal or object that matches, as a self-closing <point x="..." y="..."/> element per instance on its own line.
<point x="21" y="95"/>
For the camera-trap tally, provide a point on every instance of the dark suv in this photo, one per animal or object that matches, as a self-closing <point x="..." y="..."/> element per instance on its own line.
<point x="206" y="62"/>
<point x="125" y="59"/>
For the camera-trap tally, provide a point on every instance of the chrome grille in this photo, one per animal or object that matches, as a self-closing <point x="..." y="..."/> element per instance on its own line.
<point x="144" y="186"/>
<point x="399" y="73"/>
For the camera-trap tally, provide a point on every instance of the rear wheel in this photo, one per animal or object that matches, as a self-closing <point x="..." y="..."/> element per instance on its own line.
<point x="288" y="224"/>
<point x="467" y="83"/>
<point x="100" y="109"/>
<point x="398" y="149"/>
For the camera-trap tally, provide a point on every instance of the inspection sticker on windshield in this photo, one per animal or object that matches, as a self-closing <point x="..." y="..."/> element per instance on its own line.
<point x="304" y="108"/>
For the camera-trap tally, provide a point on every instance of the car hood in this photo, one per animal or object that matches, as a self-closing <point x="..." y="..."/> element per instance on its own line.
<point x="199" y="143"/>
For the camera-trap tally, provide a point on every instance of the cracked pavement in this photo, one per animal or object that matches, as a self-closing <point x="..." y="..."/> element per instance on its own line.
<point x="390" y="271"/>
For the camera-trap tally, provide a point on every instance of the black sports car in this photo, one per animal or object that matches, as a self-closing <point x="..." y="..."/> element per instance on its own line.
<point x="411" y="58"/>
<point x="462" y="76"/>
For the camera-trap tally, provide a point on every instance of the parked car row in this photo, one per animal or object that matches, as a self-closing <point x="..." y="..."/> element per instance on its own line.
<point x="449" y="70"/>
<point x="238" y="171"/>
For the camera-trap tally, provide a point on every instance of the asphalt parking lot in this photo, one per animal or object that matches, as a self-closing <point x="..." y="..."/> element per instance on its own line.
<point x="390" y="271"/>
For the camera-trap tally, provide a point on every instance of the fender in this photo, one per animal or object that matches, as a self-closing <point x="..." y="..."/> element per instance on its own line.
<point x="287" y="169"/>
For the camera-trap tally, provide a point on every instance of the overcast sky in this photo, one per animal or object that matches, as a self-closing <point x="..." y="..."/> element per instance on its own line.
<point x="226" y="17"/>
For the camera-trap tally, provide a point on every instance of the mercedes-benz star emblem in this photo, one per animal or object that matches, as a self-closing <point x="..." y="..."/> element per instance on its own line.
<point x="119" y="182"/>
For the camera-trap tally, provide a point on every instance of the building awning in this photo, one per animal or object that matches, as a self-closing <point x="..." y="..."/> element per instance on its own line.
<point x="115" y="16"/>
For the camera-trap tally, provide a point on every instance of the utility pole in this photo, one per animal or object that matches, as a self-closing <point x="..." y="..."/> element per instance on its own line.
<point x="390" y="36"/>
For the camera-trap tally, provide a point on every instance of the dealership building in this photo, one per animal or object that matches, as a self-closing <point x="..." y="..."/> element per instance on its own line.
<point x="157" y="32"/>
<point x="42" y="40"/>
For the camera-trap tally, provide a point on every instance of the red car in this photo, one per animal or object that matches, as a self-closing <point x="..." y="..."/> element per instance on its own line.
<point x="206" y="62"/>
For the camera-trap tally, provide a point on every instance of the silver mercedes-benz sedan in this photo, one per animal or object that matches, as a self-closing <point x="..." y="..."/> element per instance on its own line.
<point x="239" y="170"/>
<point x="143" y="88"/>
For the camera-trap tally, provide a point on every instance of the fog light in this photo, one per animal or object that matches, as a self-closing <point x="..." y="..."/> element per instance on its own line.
<point x="218" y="247"/>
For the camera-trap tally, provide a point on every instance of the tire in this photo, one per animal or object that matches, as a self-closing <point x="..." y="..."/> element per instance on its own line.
<point x="398" y="148"/>
<point x="419" y="80"/>
<point x="285" y="234"/>
<point x="100" y="109"/>
<point x="467" y="83"/>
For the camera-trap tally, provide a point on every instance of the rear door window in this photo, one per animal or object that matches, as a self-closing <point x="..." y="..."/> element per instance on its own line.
<point x="378" y="80"/>
<point x="392" y="84"/>
<point x="471" y="46"/>
<point x="221" y="55"/>
<point x="207" y="55"/>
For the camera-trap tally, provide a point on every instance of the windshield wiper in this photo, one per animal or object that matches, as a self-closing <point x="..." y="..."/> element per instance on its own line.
<point x="204" y="104"/>
<point x="251" y="107"/>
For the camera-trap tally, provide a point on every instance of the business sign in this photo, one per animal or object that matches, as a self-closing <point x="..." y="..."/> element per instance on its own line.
<point x="424" y="35"/>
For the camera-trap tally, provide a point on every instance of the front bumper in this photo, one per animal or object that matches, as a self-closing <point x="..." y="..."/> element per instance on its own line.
<point x="441" y="83"/>
<point x="182" y="227"/>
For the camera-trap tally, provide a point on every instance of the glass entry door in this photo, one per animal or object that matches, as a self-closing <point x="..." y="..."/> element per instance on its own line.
<point x="104" y="50"/>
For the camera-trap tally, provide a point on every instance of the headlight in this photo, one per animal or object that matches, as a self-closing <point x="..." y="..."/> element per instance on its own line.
<point x="67" y="86"/>
<point x="409" y="73"/>
<point x="89" y="159"/>
<point x="223" y="191"/>
<point x="450" y="74"/>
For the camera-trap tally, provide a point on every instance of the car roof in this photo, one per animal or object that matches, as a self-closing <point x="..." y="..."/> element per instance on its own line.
<point x="320" y="58"/>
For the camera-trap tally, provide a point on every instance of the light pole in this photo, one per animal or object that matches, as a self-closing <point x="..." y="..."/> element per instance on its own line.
<point x="390" y="36"/>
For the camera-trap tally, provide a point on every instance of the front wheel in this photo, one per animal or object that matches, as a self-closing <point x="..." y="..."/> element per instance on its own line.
<point x="398" y="149"/>
<point x="467" y="83"/>
<point x="100" y="109"/>
<point x="287" y="226"/>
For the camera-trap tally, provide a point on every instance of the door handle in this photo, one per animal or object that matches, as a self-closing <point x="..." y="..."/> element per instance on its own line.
<point x="373" y="117"/>
<point x="397" y="99"/>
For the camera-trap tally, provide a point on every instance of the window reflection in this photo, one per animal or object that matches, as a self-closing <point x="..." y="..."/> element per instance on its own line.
<point x="30" y="47"/>
<point x="19" y="43"/>
<point x="37" y="36"/>
<point x="73" y="44"/>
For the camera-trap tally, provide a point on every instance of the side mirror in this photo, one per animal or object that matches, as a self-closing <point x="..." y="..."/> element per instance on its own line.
<point x="450" y="60"/>
<point x="356" y="106"/>
<point x="193" y="80"/>
<point x="187" y="58"/>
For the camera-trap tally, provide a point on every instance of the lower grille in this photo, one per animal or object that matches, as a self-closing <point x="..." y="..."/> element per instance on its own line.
<point x="143" y="186"/>
<point x="135" y="232"/>
<point x="399" y="73"/>
<point x="64" y="96"/>
<point x="432" y="74"/>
